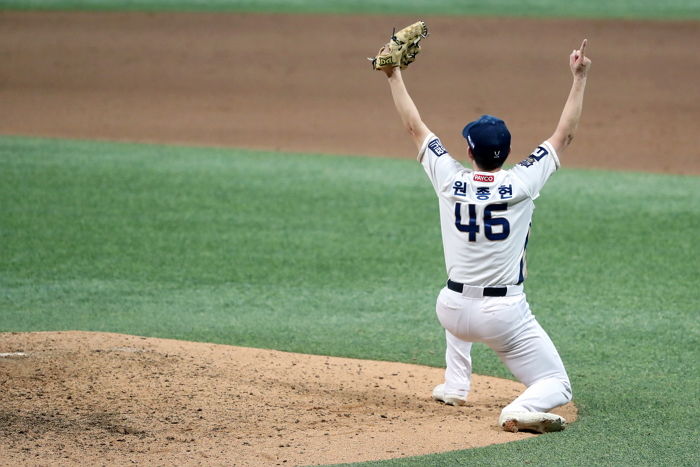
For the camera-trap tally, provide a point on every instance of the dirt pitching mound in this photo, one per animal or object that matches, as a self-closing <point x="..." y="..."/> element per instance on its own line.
<point x="99" y="398"/>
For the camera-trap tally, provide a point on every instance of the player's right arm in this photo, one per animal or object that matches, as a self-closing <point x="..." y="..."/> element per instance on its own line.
<point x="406" y="108"/>
<point x="570" y="116"/>
<point x="432" y="155"/>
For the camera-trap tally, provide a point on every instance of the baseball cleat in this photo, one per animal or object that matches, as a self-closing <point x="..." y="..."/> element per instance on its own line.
<point x="449" y="399"/>
<point x="540" y="422"/>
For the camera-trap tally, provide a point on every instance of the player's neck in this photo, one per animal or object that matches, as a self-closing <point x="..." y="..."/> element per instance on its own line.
<point x="479" y="169"/>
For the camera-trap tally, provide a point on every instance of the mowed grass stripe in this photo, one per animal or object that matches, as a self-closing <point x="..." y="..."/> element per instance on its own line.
<point x="669" y="9"/>
<point x="342" y="256"/>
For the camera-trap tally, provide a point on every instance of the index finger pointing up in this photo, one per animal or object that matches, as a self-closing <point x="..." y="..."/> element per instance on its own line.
<point x="583" y="46"/>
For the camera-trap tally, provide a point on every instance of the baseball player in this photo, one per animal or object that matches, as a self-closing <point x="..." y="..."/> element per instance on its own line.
<point x="485" y="217"/>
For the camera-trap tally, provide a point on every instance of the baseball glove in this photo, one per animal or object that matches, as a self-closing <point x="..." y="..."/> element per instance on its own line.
<point x="402" y="48"/>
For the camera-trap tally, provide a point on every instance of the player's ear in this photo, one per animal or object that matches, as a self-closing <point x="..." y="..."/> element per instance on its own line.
<point x="470" y="153"/>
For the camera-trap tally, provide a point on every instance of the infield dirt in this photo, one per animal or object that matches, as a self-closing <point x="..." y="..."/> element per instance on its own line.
<point x="300" y="83"/>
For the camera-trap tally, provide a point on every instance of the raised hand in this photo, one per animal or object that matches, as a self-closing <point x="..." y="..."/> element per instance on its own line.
<point x="578" y="62"/>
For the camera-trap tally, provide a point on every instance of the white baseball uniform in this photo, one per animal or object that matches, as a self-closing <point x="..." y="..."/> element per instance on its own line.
<point x="485" y="221"/>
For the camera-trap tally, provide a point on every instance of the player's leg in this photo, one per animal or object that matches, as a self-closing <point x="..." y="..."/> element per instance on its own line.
<point x="455" y="389"/>
<point x="452" y="312"/>
<point x="458" y="371"/>
<point x="532" y="358"/>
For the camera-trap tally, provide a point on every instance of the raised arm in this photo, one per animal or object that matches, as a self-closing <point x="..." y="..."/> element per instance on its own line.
<point x="570" y="116"/>
<point x="405" y="107"/>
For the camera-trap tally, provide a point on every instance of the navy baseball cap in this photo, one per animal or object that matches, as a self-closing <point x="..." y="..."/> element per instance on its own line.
<point x="488" y="137"/>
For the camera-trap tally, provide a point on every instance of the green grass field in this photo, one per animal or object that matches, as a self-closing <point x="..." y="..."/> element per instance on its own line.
<point x="671" y="9"/>
<point x="329" y="255"/>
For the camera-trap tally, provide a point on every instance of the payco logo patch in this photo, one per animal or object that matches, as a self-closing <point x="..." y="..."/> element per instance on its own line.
<point x="483" y="178"/>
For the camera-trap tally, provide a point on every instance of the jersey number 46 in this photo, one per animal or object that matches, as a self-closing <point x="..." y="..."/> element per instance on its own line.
<point x="490" y="222"/>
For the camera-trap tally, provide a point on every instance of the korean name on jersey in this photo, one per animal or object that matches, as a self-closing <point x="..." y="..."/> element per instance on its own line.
<point x="485" y="216"/>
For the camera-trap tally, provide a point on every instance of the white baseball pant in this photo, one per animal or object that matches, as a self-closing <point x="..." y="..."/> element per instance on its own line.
<point x="507" y="325"/>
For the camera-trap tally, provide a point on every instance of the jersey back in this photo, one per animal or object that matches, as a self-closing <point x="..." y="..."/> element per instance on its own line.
<point x="485" y="217"/>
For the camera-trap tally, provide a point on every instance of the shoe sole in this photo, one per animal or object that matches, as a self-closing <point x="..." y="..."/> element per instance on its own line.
<point x="454" y="402"/>
<point x="541" y="426"/>
<point x="450" y="401"/>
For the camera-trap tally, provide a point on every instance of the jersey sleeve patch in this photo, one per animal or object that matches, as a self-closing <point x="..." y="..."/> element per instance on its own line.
<point x="536" y="156"/>
<point x="437" y="147"/>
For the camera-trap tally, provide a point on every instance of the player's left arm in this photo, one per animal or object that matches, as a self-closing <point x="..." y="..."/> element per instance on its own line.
<point x="406" y="107"/>
<point x="570" y="116"/>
